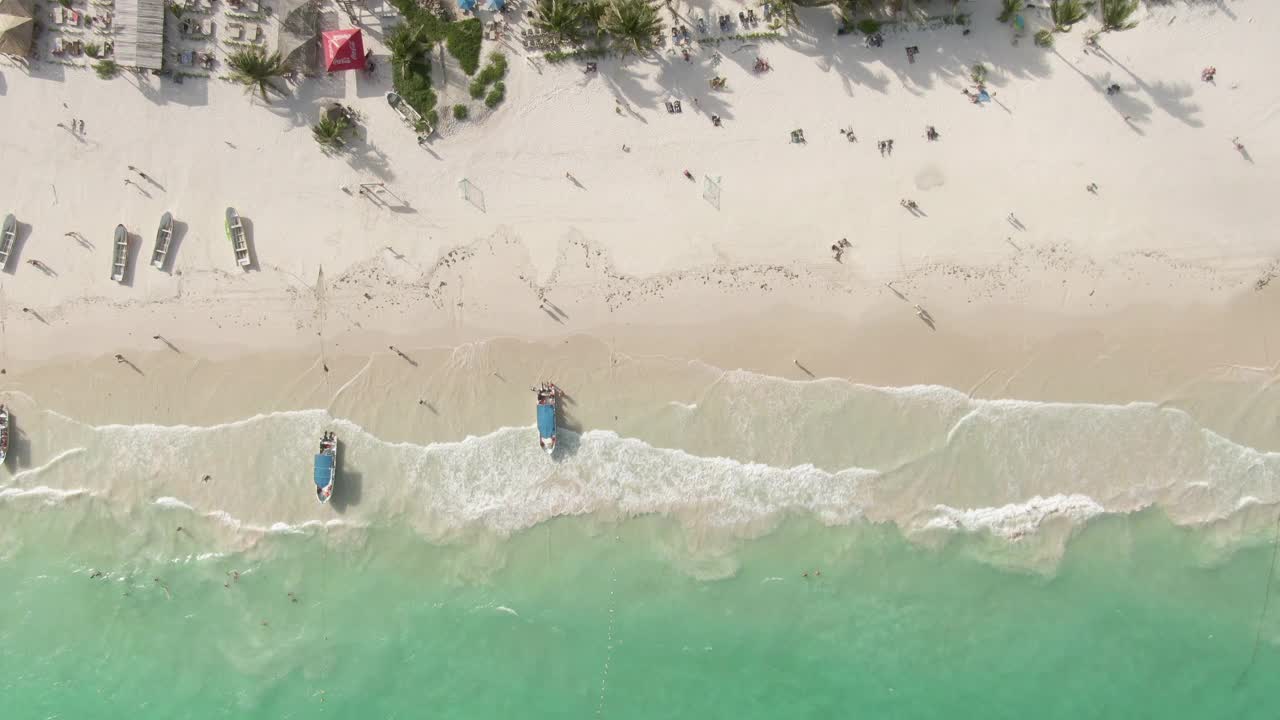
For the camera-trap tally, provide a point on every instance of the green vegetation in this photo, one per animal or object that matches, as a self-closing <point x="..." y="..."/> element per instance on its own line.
<point x="1115" y="14"/>
<point x="1065" y="14"/>
<point x="1044" y="38"/>
<point x="495" y="70"/>
<point x="492" y="74"/>
<point x="496" y="95"/>
<point x="561" y="18"/>
<point x="460" y="112"/>
<point x="978" y="73"/>
<point x="331" y="131"/>
<point x="1009" y="8"/>
<point x="463" y="41"/>
<point x="92" y="49"/>
<point x="410" y="44"/>
<point x="106" y="69"/>
<point x="634" y="25"/>
<point x="867" y="26"/>
<point x="254" y="69"/>
<point x="786" y="9"/>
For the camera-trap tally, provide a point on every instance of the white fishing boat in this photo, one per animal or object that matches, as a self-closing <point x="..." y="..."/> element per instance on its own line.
<point x="161" y="254"/>
<point x="410" y="116"/>
<point x="8" y="232"/>
<point x="548" y="397"/>
<point x="326" y="466"/>
<point x="120" y="254"/>
<point x="235" y="232"/>
<point x="4" y="433"/>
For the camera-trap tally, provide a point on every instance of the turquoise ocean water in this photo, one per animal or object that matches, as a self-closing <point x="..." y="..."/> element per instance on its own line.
<point x="581" y="619"/>
<point x="886" y="553"/>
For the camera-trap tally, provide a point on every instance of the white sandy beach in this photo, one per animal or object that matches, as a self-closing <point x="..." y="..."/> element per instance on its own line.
<point x="1155" y="288"/>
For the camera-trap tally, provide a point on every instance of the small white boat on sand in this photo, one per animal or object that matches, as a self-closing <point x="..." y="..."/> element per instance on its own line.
<point x="235" y="232"/>
<point x="161" y="254"/>
<point x="8" y="232"/>
<point x="120" y="254"/>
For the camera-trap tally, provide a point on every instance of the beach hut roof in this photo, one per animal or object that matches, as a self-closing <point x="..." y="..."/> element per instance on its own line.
<point x="138" y="26"/>
<point x="15" y="27"/>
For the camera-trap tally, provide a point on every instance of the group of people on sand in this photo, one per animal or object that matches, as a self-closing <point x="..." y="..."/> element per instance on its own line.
<point x="837" y="250"/>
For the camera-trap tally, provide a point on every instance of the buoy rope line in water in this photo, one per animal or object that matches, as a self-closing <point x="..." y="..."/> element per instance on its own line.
<point x="1266" y="602"/>
<point x="608" y="653"/>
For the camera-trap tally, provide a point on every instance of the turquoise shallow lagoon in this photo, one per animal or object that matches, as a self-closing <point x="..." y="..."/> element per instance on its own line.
<point x="584" y="618"/>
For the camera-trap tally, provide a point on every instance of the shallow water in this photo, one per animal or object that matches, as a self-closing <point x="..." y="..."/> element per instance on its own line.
<point x="577" y="618"/>
<point x="1024" y="559"/>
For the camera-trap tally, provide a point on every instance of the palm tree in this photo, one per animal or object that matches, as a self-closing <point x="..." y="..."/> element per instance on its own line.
<point x="786" y="9"/>
<point x="255" y="69"/>
<point x="1009" y="8"/>
<point x="561" y="18"/>
<point x="1065" y="14"/>
<point x="330" y="131"/>
<point x="407" y="42"/>
<point x="1115" y="14"/>
<point x="633" y="23"/>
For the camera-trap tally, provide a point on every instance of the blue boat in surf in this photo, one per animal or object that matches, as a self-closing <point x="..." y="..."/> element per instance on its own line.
<point x="326" y="466"/>
<point x="548" y="395"/>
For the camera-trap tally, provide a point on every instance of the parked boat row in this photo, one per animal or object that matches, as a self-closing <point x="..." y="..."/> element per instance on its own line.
<point x="121" y="242"/>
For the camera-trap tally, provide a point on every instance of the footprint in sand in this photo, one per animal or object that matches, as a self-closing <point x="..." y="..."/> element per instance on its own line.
<point x="930" y="177"/>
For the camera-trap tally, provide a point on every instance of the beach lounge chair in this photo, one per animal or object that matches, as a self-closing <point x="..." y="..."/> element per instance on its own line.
<point x="258" y="35"/>
<point x="235" y="31"/>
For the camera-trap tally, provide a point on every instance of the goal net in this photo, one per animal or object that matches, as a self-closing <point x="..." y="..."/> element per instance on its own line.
<point x="471" y="193"/>
<point x="711" y="190"/>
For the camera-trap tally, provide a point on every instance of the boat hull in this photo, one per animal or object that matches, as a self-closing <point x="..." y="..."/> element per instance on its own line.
<point x="326" y="467"/>
<point x="4" y="434"/>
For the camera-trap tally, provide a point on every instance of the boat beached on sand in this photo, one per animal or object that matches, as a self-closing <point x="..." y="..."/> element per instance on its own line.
<point x="8" y="232"/>
<point x="163" y="236"/>
<point x="326" y="468"/>
<point x="120" y="254"/>
<point x="548" y="396"/>
<point x="235" y="232"/>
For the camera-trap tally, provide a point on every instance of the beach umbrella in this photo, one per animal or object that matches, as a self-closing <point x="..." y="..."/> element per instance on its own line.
<point x="16" y="27"/>
<point x="495" y="5"/>
<point x="467" y="5"/>
<point x="1019" y="24"/>
<point x="343" y="50"/>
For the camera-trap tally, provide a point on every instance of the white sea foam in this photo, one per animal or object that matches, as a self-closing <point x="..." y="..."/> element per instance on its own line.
<point x="751" y="451"/>
<point x="507" y="610"/>
<point x="49" y="495"/>
<point x="171" y="503"/>
<point x="51" y="463"/>
<point x="1015" y="519"/>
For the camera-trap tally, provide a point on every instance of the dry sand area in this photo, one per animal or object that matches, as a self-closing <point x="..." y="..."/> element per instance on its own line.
<point x="1027" y="284"/>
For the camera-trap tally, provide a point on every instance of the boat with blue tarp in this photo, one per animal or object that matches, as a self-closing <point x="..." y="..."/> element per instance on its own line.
<point x="326" y="466"/>
<point x="548" y="396"/>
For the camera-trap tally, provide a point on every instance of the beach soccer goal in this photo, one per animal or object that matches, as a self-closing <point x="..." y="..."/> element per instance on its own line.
<point x="711" y="190"/>
<point x="471" y="193"/>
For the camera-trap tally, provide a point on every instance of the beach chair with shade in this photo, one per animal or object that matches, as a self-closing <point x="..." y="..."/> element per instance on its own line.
<point x="119" y="254"/>
<point x="235" y="233"/>
<point x="161" y="253"/>
<point x="8" y="232"/>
